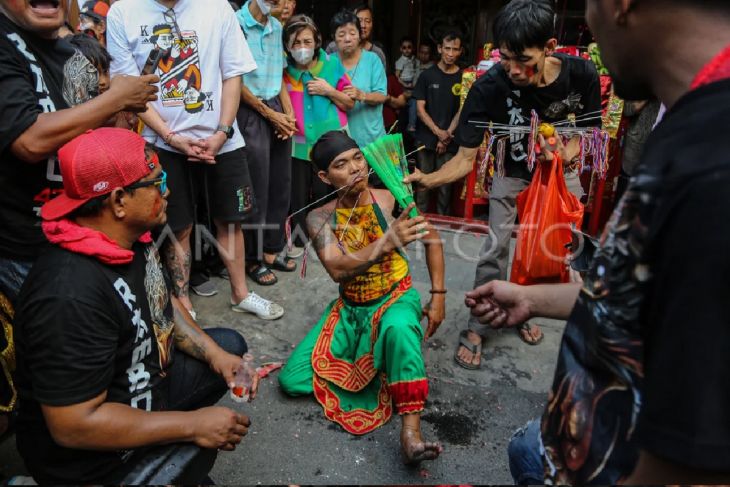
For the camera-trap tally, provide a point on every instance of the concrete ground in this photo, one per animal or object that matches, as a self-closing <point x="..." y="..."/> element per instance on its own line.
<point x="473" y="413"/>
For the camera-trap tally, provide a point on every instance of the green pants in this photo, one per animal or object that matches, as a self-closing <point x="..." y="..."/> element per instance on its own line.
<point x="366" y="358"/>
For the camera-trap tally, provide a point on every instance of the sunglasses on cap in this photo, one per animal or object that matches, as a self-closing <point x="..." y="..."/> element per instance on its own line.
<point x="160" y="182"/>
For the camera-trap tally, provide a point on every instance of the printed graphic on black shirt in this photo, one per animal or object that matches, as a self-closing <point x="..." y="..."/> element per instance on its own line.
<point x="594" y="402"/>
<point x="556" y="111"/>
<point x="159" y="300"/>
<point x="137" y="373"/>
<point x="80" y="80"/>
<point x="561" y="110"/>
<point x="45" y="102"/>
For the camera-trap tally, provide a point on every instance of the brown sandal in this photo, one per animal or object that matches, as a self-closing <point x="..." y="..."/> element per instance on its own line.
<point x="471" y="347"/>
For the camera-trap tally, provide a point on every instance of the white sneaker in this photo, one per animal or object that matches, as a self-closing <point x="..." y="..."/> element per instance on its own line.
<point x="263" y="308"/>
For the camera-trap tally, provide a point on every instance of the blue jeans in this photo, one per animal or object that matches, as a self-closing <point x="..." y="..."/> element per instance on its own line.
<point x="525" y="461"/>
<point x="12" y="276"/>
<point x="192" y="385"/>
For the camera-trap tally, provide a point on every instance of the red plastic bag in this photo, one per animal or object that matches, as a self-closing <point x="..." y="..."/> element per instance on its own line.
<point x="547" y="210"/>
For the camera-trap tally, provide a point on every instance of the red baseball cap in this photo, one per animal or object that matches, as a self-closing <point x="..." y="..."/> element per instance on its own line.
<point x="94" y="164"/>
<point x="96" y="9"/>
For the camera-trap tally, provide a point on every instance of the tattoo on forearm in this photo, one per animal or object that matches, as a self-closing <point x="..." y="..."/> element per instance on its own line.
<point x="188" y="339"/>
<point x="178" y="265"/>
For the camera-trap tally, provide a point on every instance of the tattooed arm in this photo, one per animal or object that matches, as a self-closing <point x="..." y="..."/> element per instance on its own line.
<point x="341" y="267"/>
<point x="178" y="261"/>
<point x="344" y="267"/>
<point x="189" y="337"/>
<point x="192" y="340"/>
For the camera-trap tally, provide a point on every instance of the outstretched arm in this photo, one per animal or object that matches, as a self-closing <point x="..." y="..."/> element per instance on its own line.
<point x="504" y="304"/>
<point x="52" y="130"/>
<point x="456" y="168"/>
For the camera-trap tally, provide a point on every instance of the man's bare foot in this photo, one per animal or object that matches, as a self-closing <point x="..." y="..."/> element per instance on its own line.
<point x="414" y="449"/>
<point x="466" y="355"/>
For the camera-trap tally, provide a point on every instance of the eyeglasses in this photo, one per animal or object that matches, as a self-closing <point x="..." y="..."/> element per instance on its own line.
<point x="171" y="18"/>
<point x="160" y="182"/>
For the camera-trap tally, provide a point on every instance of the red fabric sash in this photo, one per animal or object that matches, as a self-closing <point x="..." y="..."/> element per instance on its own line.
<point x="83" y="240"/>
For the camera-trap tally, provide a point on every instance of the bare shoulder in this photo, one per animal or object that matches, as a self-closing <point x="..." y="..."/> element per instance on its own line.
<point x="320" y="215"/>
<point x="318" y="227"/>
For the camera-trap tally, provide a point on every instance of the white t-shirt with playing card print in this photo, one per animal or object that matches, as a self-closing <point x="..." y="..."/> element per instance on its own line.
<point x="212" y="49"/>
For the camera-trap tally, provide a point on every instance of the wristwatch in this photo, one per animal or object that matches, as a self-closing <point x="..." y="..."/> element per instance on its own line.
<point x="226" y="129"/>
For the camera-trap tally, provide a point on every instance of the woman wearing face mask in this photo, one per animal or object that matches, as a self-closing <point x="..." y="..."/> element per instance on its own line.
<point x="367" y="74"/>
<point x="316" y="82"/>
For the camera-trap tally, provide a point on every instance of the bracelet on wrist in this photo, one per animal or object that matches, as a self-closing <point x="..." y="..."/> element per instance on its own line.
<point x="168" y="137"/>
<point x="438" y="291"/>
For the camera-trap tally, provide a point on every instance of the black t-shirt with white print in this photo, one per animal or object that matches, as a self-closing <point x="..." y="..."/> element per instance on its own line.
<point x="31" y="83"/>
<point x="494" y="98"/>
<point x="83" y="328"/>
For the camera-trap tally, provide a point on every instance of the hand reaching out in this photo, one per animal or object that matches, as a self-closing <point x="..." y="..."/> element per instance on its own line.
<point x="499" y="304"/>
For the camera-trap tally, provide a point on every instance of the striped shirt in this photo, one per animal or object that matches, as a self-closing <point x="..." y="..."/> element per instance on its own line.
<point x="316" y="115"/>
<point x="267" y="48"/>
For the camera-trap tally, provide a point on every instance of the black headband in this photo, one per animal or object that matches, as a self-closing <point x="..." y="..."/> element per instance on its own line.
<point x="329" y="146"/>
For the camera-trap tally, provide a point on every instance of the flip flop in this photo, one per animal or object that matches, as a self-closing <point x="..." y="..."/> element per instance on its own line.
<point x="474" y="349"/>
<point x="281" y="264"/>
<point x="257" y="273"/>
<point x="527" y="327"/>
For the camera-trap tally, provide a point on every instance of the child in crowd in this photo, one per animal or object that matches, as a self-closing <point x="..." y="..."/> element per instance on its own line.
<point x="94" y="79"/>
<point x="405" y="71"/>
<point x="424" y="60"/>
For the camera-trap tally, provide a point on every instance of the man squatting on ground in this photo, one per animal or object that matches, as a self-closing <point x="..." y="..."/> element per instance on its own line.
<point x="109" y="362"/>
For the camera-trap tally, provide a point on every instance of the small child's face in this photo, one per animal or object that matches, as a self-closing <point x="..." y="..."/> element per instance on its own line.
<point x="104" y="80"/>
<point x="424" y="54"/>
<point x="407" y="49"/>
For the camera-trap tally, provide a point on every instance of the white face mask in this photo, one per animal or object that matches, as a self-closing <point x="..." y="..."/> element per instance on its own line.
<point x="264" y="7"/>
<point x="303" y="55"/>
